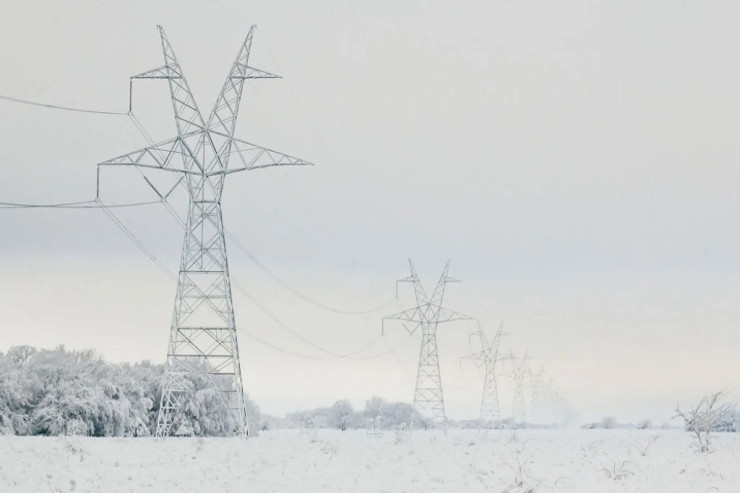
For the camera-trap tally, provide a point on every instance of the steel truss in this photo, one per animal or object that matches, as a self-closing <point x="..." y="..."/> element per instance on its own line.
<point x="490" y="410"/>
<point x="203" y="340"/>
<point x="519" y="371"/>
<point x="428" y="397"/>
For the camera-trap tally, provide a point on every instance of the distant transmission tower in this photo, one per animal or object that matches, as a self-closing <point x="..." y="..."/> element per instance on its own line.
<point x="428" y="397"/>
<point x="490" y="410"/>
<point x="203" y="334"/>
<point x="538" y="401"/>
<point x="519" y="371"/>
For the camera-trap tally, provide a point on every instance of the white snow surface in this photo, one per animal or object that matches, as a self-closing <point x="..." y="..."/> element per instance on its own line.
<point x="331" y="460"/>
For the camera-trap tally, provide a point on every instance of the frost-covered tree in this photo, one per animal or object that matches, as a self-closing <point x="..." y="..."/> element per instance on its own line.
<point x="62" y="392"/>
<point x="374" y="407"/>
<point x="13" y="398"/>
<point x="341" y="414"/>
<point x="399" y="414"/>
<point x="20" y="355"/>
<point x="392" y="414"/>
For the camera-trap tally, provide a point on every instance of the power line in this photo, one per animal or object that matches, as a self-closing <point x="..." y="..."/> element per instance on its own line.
<point x="16" y="205"/>
<point x="284" y="326"/>
<point x="136" y="240"/>
<point x="136" y="18"/>
<point x="295" y="291"/>
<point x="87" y="204"/>
<point x="261" y="307"/>
<point x="63" y="108"/>
<point x="391" y="349"/>
<point x="332" y="355"/>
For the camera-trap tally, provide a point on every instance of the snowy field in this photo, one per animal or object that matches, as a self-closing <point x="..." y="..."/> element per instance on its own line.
<point x="330" y="460"/>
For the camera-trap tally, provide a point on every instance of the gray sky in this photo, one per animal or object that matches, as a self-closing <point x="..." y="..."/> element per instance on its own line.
<point x="576" y="160"/>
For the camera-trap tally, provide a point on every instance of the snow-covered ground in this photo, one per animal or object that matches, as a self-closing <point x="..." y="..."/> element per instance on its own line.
<point x="459" y="461"/>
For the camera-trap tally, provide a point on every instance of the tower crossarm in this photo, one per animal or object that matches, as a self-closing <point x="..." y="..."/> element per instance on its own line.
<point x="168" y="156"/>
<point x="489" y="351"/>
<point x="255" y="73"/>
<point x="519" y="366"/>
<point x="163" y="72"/>
<point x="410" y="315"/>
<point x="478" y="358"/>
<point x="447" y="315"/>
<point x="251" y="156"/>
<point x="173" y="155"/>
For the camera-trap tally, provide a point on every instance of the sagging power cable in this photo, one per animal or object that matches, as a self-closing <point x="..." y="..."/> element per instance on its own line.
<point x="87" y="204"/>
<point x="239" y="245"/>
<point x="64" y="108"/>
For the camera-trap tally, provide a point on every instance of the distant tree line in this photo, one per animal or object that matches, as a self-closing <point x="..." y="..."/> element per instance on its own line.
<point x="71" y="392"/>
<point x="377" y="413"/>
<point x="66" y="392"/>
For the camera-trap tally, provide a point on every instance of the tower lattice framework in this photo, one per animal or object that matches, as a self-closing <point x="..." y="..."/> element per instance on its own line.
<point x="538" y="400"/>
<point x="490" y="409"/>
<point x="428" y="396"/>
<point x="203" y="351"/>
<point x="519" y="371"/>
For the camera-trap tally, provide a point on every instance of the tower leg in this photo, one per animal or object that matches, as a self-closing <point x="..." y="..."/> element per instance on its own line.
<point x="428" y="398"/>
<point x="518" y="413"/>
<point x="490" y="412"/>
<point x="203" y="352"/>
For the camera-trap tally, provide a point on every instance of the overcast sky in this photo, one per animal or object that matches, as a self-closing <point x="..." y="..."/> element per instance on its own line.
<point x="576" y="160"/>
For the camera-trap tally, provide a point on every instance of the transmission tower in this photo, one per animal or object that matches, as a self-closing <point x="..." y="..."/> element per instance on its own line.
<point x="428" y="397"/>
<point x="490" y="411"/>
<point x="519" y="371"/>
<point x="203" y="342"/>
<point x="537" y="386"/>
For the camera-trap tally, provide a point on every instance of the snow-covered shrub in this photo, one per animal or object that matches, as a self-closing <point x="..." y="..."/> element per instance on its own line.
<point x="609" y="422"/>
<point x="644" y="425"/>
<point x="618" y="470"/>
<point x="709" y="415"/>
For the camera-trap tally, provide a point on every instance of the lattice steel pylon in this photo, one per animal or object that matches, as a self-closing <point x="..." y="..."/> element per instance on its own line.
<point x="203" y="338"/>
<point x="490" y="410"/>
<point x="537" y="387"/>
<point x="519" y="371"/>
<point x="428" y="397"/>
